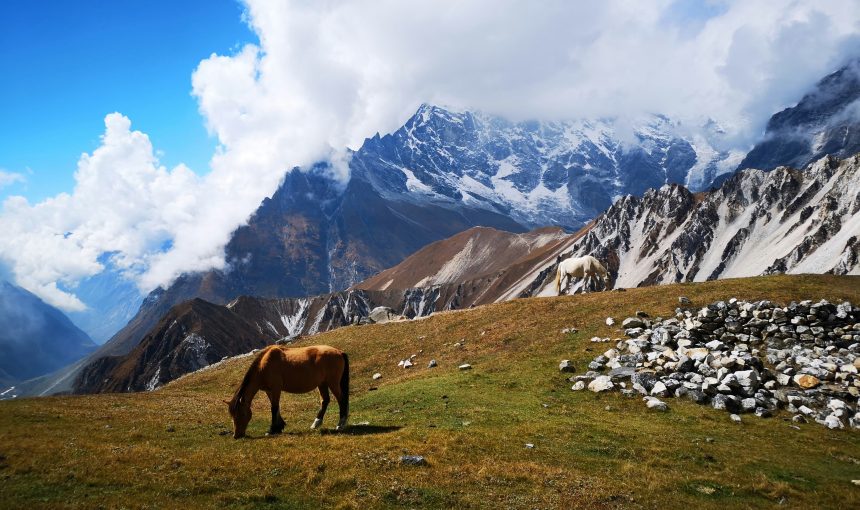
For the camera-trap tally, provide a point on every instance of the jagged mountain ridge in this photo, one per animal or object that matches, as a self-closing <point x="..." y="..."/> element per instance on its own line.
<point x="782" y="221"/>
<point x="191" y="334"/>
<point x="541" y="173"/>
<point x="316" y="234"/>
<point x="757" y="223"/>
<point x="825" y="121"/>
<point x="439" y="166"/>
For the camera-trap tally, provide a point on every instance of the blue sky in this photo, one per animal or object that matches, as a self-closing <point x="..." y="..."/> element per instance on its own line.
<point x="66" y="64"/>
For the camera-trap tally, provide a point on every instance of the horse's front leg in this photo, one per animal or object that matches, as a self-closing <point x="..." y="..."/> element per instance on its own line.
<point x="324" y="400"/>
<point x="278" y="423"/>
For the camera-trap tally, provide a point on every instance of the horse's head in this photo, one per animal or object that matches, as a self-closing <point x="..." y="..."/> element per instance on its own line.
<point x="241" y="415"/>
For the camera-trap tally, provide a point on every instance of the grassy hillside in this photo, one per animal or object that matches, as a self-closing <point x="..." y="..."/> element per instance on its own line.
<point x="169" y="449"/>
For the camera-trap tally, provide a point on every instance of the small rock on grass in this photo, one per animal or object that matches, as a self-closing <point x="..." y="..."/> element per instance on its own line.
<point x="377" y="376"/>
<point x="601" y="383"/>
<point x="465" y="366"/>
<point x="684" y="300"/>
<point x="566" y="366"/>
<point x="735" y="418"/>
<point x="578" y="386"/>
<point x="610" y="321"/>
<point x="656" y="404"/>
<point x="413" y="460"/>
<point x="432" y="364"/>
<point x="530" y="445"/>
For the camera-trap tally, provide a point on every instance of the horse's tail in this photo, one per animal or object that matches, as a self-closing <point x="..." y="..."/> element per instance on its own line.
<point x="558" y="280"/>
<point x="344" y="388"/>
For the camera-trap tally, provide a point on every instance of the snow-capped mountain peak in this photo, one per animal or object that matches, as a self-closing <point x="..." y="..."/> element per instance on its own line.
<point x="559" y="173"/>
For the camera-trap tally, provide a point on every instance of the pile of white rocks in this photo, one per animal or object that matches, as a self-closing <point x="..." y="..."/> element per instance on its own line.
<point x="742" y="357"/>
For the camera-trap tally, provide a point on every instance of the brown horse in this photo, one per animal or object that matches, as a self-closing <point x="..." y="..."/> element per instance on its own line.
<point x="296" y="370"/>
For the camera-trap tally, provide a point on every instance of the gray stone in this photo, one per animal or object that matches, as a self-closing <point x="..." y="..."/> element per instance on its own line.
<point x="565" y="366"/>
<point x="621" y="373"/>
<point x="413" y="460"/>
<point x="762" y="412"/>
<point x="382" y="314"/>
<point x="602" y="383"/>
<point x="656" y="404"/>
<point x="632" y="322"/>
<point x="465" y="366"/>
<point x="659" y="389"/>
<point x="432" y="364"/>
<point x="377" y="376"/>
<point x="645" y="379"/>
<point x="578" y="386"/>
<point x="832" y="422"/>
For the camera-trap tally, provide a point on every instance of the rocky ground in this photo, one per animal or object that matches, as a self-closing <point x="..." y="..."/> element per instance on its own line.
<point x="741" y="357"/>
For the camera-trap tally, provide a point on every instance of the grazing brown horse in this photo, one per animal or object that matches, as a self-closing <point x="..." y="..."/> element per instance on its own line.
<point x="294" y="370"/>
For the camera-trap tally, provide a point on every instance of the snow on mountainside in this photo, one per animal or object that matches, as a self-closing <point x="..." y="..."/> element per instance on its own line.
<point x="441" y="173"/>
<point x="826" y="121"/>
<point x="756" y="223"/>
<point x="540" y="173"/>
<point x="783" y="221"/>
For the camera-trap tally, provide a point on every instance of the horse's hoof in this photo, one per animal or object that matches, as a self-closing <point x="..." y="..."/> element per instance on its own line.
<point x="316" y="424"/>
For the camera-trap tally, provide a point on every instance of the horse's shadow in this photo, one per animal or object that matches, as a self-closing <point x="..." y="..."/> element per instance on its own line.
<point x="351" y="430"/>
<point x="363" y="430"/>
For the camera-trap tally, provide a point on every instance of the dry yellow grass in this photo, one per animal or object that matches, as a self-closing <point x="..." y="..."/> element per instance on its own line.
<point x="591" y="450"/>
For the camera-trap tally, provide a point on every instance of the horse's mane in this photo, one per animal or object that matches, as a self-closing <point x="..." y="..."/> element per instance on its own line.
<point x="252" y="370"/>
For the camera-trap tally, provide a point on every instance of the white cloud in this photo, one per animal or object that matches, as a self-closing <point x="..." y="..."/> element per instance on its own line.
<point x="325" y="75"/>
<point x="123" y="202"/>
<point x="9" y="178"/>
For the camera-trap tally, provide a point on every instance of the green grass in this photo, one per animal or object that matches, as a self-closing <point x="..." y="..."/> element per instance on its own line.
<point x="591" y="450"/>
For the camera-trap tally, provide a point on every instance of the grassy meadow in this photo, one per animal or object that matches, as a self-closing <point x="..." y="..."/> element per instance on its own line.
<point x="171" y="448"/>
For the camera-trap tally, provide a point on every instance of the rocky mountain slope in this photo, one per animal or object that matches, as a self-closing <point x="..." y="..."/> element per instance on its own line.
<point x="783" y="221"/>
<point x="468" y="255"/>
<point x="35" y="338"/>
<point x="205" y="329"/>
<point x="441" y="173"/>
<point x="191" y="336"/>
<point x="826" y="121"/>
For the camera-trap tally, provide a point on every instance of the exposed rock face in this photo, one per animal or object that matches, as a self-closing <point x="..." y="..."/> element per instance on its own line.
<point x="35" y="338"/>
<point x="465" y="256"/>
<point x="191" y="336"/>
<point x="744" y="357"/>
<point x="783" y="221"/>
<point x="441" y="173"/>
<point x="826" y="121"/>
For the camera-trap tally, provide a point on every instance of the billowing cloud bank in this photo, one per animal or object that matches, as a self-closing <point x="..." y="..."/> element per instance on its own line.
<point x="327" y="74"/>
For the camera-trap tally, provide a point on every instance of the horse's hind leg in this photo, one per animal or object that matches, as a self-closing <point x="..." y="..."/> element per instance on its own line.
<point x="278" y="423"/>
<point x="343" y="406"/>
<point x="324" y="400"/>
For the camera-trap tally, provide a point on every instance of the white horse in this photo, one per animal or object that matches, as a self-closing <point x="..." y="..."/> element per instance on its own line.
<point x="586" y="267"/>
